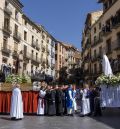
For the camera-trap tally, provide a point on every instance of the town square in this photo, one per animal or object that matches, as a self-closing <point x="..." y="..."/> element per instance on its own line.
<point x="59" y="64"/>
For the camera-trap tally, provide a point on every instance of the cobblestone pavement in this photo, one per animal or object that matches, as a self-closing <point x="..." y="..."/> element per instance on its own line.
<point x="109" y="120"/>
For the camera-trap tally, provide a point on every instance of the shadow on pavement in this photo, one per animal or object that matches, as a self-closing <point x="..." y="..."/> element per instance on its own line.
<point x="5" y="118"/>
<point x="110" y="117"/>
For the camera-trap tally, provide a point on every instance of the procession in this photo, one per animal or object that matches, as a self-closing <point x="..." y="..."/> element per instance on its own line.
<point x="67" y="100"/>
<point x="63" y="100"/>
<point x="59" y="64"/>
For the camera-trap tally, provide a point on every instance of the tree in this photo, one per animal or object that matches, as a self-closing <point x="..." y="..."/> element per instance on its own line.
<point x="63" y="76"/>
<point x="76" y="75"/>
<point x="71" y="76"/>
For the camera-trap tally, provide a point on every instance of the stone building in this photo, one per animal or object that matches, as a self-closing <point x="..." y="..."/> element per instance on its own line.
<point x="23" y="43"/>
<point x="66" y="56"/>
<point x="104" y="39"/>
<point x="86" y="43"/>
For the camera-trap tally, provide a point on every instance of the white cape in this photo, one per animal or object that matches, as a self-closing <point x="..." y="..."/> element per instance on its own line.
<point x="16" y="104"/>
<point x="41" y="105"/>
<point x="74" y="101"/>
<point x="85" y="103"/>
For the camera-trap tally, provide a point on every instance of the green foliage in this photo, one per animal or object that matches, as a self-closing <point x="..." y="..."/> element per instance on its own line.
<point x="20" y="79"/>
<point x="63" y="75"/>
<point x="70" y="76"/>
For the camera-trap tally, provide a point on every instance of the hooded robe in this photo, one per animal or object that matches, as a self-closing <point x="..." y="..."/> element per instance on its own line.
<point x="16" y="104"/>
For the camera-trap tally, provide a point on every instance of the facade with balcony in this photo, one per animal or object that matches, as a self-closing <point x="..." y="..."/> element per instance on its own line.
<point x="66" y="56"/>
<point x="105" y="37"/>
<point x="22" y="39"/>
<point x="88" y="42"/>
<point x="10" y="39"/>
<point x="38" y="46"/>
<point x="110" y="32"/>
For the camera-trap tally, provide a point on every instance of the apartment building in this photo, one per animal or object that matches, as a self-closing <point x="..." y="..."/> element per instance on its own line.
<point x="10" y="32"/>
<point x="86" y="42"/>
<point x="24" y="44"/>
<point x="105" y="38"/>
<point x="61" y="57"/>
<point x="48" y="56"/>
<point x="66" y="56"/>
<point x="31" y="45"/>
<point x="72" y="56"/>
<point x="96" y="49"/>
<point x="78" y="57"/>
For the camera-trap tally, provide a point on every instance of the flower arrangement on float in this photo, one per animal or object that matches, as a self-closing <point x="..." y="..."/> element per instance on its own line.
<point x="108" y="80"/>
<point x="20" y="79"/>
<point x="23" y="80"/>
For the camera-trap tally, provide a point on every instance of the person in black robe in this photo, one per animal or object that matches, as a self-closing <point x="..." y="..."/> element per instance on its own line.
<point x="97" y="107"/>
<point x="92" y="97"/>
<point x="59" y="102"/>
<point x="51" y="107"/>
<point x="46" y="99"/>
<point x="64" y="89"/>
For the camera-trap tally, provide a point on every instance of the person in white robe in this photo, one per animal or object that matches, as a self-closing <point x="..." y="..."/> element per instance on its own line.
<point x="85" y="101"/>
<point x="41" y="103"/>
<point x="16" y="111"/>
<point x="74" y="99"/>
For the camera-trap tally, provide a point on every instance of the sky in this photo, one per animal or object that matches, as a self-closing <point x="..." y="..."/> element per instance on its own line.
<point x="64" y="19"/>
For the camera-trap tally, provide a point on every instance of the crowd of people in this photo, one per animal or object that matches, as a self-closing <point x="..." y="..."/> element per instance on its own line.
<point x="60" y="101"/>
